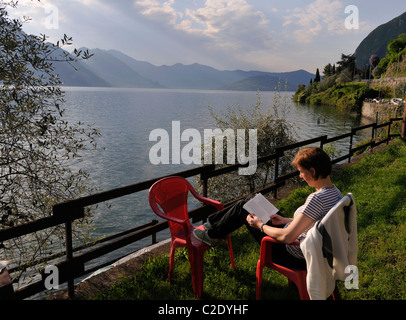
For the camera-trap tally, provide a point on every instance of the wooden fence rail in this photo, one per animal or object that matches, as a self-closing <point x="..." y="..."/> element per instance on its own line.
<point x="73" y="266"/>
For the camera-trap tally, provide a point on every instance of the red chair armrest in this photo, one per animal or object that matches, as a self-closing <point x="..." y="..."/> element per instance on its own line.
<point x="266" y="248"/>
<point x="163" y="215"/>
<point x="269" y="239"/>
<point x="217" y="204"/>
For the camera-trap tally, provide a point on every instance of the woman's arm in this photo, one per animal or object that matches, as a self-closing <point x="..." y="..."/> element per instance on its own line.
<point x="286" y="235"/>
<point x="278" y="220"/>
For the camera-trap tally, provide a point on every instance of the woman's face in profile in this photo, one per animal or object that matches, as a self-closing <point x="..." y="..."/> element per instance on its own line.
<point x="307" y="175"/>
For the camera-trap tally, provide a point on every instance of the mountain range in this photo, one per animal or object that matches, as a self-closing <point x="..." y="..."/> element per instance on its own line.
<point x="112" y="68"/>
<point x="377" y="41"/>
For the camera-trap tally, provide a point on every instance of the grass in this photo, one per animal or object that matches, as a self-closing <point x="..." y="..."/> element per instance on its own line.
<point x="379" y="187"/>
<point x="378" y="182"/>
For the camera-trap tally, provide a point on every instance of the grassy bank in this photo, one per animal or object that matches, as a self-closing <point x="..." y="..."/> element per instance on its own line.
<point x="348" y="96"/>
<point x="378" y="183"/>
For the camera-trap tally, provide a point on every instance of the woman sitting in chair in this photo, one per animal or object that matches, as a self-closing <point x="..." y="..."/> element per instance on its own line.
<point x="315" y="168"/>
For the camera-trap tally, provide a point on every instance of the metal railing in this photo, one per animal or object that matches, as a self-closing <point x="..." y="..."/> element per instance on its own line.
<point x="73" y="266"/>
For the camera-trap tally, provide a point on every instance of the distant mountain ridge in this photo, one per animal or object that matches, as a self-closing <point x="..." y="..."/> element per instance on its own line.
<point x="112" y="68"/>
<point x="377" y="41"/>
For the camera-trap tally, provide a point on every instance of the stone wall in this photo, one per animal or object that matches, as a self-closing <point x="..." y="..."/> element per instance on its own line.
<point x="385" y="111"/>
<point x="385" y="82"/>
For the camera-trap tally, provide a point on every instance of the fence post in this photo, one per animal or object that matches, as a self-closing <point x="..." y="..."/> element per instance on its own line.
<point x="389" y="130"/>
<point x="373" y="134"/>
<point x="403" y="133"/>
<point x="351" y="140"/>
<point x="154" y="222"/>
<point x="323" y="141"/>
<point x="279" y="153"/>
<point x="204" y="178"/>
<point x="69" y="256"/>
<point x="69" y="214"/>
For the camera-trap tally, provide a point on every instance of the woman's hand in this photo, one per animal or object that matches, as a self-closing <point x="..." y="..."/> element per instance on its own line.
<point x="278" y="220"/>
<point x="254" y="221"/>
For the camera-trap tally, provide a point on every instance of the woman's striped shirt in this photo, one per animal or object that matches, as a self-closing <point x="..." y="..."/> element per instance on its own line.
<point x="316" y="207"/>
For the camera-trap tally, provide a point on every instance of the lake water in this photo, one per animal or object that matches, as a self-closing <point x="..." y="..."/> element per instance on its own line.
<point x="126" y="117"/>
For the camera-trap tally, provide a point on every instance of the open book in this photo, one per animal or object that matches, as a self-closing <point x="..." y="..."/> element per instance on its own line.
<point x="261" y="207"/>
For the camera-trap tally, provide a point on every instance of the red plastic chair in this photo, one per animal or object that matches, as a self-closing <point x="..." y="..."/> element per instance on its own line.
<point x="171" y="195"/>
<point x="298" y="277"/>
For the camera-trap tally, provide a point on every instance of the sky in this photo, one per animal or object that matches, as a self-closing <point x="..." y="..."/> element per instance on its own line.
<point x="263" y="35"/>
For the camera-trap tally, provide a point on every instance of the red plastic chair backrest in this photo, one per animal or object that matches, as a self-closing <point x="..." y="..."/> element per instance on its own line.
<point x="171" y="195"/>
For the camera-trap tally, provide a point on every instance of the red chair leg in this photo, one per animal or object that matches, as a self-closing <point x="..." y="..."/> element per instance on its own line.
<point x="300" y="282"/>
<point x="171" y="263"/>
<point x="196" y="270"/>
<point x="336" y="294"/>
<point x="260" y="269"/>
<point x="193" y="272"/>
<point x="199" y="275"/>
<point x="230" y="250"/>
<point x="297" y="277"/>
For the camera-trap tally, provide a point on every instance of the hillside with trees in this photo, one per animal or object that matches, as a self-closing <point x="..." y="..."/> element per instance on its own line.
<point x="336" y="87"/>
<point x="376" y="43"/>
<point x="346" y="86"/>
<point x="393" y="65"/>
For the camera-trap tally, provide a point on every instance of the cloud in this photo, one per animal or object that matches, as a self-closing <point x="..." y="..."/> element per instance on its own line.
<point x="317" y="17"/>
<point x="223" y="24"/>
<point x="159" y="12"/>
<point x="28" y="9"/>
